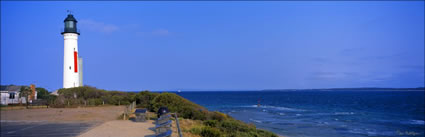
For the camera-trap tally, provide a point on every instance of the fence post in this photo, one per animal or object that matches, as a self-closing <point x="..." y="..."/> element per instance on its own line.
<point x="125" y="113"/>
<point x="178" y="125"/>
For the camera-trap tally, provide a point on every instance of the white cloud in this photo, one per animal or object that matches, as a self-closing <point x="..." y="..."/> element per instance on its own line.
<point x="98" y="26"/>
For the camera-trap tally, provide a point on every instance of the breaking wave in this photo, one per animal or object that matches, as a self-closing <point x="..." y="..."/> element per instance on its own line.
<point x="274" y="107"/>
<point x="417" y="122"/>
<point x="344" y="113"/>
<point x="256" y="121"/>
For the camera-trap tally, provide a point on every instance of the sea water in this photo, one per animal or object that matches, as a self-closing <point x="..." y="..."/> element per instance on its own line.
<point x="322" y="113"/>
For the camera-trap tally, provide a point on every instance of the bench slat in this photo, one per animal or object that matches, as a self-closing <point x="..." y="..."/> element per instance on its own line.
<point x="164" y="117"/>
<point x="165" y="134"/>
<point x="164" y="124"/>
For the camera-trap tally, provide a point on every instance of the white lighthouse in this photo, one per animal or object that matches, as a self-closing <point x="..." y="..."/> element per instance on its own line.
<point x="72" y="64"/>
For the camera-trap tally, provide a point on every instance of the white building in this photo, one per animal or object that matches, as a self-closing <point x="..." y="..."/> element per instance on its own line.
<point x="72" y="64"/>
<point x="11" y="95"/>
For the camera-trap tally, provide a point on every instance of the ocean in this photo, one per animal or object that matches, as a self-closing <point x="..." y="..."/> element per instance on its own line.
<point x="322" y="113"/>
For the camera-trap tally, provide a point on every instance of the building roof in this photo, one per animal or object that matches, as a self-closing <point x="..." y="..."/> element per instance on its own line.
<point x="70" y="18"/>
<point x="11" y="88"/>
<point x="55" y="93"/>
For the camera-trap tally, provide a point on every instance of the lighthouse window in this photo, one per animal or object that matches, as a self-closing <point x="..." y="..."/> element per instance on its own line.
<point x="70" y="24"/>
<point x="69" y="67"/>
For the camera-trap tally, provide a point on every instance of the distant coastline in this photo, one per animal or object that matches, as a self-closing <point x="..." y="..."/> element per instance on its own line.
<point x="352" y="89"/>
<point x="313" y="89"/>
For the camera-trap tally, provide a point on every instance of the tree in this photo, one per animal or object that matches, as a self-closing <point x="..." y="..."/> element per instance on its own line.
<point x="25" y="92"/>
<point x="42" y="93"/>
<point x="144" y="99"/>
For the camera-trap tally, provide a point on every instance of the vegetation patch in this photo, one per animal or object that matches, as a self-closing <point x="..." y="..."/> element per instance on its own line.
<point x="214" y="124"/>
<point x="202" y="122"/>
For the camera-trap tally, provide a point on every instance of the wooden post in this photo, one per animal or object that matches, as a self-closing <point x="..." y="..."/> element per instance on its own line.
<point x="178" y="125"/>
<point x="125" y="113"/>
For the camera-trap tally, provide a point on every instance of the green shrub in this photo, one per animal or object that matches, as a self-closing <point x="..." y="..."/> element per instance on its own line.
<point x="144" y="98"/>
<point x="92" y="96"/>
<point x="58" y="102"/>
<point x="211" y="123"/>
<point x="263" y="133"/>
<point x="196" y="131"/>
<point x="183" y="107"/>
<point x="42" y="93"/>
<point x="210" y="132"/>
<point x="218" y="116"/>
<point x="94" y="101"/>
<point x="234" y="125"/>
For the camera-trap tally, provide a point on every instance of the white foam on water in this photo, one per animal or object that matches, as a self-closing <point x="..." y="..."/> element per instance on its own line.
<point x="274" y="107"/>
<point x="417" y="122"/>
<point x="372" y="132"/>
<point x="257" y="121"/>
<point x="344" y="113"/>
<point x="322" y="123"/>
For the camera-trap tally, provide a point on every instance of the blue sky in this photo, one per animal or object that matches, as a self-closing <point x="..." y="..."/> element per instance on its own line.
<point x="135" y="46"/>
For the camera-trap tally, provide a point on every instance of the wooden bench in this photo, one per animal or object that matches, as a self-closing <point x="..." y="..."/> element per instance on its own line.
<point x="165" y="134"/>
<point x="163" y="126"/>
<point x="140" y="115"/>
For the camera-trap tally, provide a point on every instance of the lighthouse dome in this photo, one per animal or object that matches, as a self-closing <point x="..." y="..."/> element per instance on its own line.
<point x="70" y="25"/>
<point x="70" y="18"/>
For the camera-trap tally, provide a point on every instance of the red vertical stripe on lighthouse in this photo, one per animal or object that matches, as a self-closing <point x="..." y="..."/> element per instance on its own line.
<point x="75" y="61"/>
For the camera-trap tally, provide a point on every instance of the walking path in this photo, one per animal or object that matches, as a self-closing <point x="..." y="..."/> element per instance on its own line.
<point x="122" y="128"/>
<point x="43" y="128"/>
<point x="71" y="122"/>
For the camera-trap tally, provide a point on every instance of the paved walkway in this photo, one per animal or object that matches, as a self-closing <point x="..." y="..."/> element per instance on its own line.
<point x="122" y="128"/>
<point x="43" y="129"/>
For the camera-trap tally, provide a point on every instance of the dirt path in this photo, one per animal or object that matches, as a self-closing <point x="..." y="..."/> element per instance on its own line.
<point x="100" y="121"/>
<point x="122" y="128"/>
<point x="85" y="114"/>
